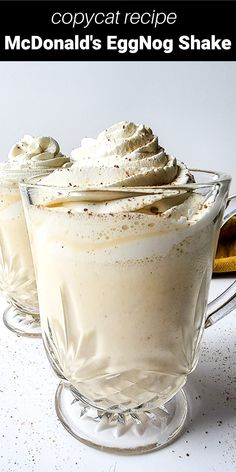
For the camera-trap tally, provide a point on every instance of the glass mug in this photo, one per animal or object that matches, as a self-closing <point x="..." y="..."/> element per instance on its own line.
<point x="17" y="277"/>
<point x="123" y="303"/>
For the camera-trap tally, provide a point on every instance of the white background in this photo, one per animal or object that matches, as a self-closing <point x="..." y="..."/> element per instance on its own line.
<point x="190" y="105"/>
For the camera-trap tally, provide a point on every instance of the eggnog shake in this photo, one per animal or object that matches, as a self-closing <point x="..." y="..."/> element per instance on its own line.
<point x="31" y="156"/>
<point x="123" y="245"/>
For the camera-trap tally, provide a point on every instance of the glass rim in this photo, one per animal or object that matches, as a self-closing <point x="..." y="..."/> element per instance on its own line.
<point x="29" y="170"/>
<point x="14" y="177"/>
<point x="220" y="177"/>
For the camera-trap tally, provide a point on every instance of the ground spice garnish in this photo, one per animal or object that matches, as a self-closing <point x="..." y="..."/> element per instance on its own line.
<point x="154" y="210"/>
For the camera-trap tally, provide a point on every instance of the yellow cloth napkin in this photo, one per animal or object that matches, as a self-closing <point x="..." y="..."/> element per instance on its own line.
<point x="225" y="260"/>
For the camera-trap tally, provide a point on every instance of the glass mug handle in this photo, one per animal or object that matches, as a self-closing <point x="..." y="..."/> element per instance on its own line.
<point x="226" y="301"/>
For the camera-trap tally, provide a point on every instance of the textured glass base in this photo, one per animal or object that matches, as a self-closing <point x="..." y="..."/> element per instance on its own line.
<point x="130" y="433"/>
<point x="21" y="323"/>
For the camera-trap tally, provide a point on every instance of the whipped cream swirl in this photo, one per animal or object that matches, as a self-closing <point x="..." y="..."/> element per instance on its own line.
<point x="127" y="160"/>
<point x="126" y="154"/>
<point x="42" y="152"/>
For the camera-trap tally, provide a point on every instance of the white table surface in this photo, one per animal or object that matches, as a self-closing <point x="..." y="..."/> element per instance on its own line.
<point x="33" y="440"/>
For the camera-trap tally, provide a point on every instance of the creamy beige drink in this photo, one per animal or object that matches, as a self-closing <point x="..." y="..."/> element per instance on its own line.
<point x="123" y="268"/>
<point x="31" y="156"/>
<point x="17" y="279"/>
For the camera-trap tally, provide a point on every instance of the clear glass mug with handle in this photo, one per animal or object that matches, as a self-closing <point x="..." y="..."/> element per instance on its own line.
<point x="123" y="302"/>
<point x="17" y="277"/>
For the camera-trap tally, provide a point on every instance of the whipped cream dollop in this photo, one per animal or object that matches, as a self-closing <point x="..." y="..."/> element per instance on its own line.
<point x="42" y="152"/>
<point x="126" y="154"/>
<point x="127" y="160"/>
